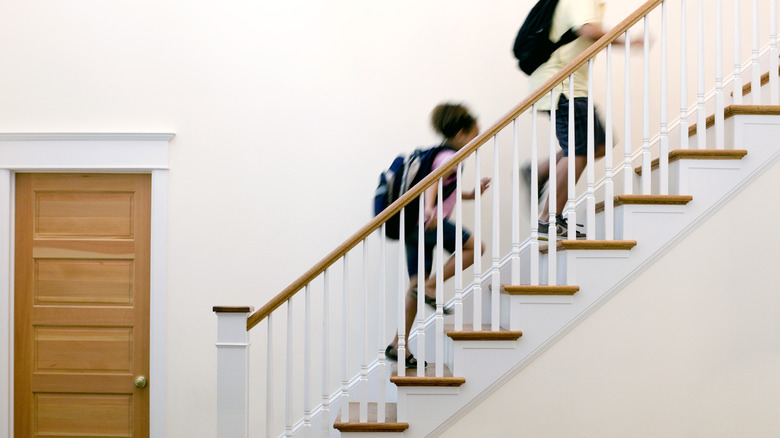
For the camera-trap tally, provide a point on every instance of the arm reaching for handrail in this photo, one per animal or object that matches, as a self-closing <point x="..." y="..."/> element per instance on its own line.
<point x="595" y="32"/>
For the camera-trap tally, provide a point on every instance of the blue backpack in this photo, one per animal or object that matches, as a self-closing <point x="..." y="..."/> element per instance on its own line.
<point x="403" y="174"/>
<point x="532" y="45"/>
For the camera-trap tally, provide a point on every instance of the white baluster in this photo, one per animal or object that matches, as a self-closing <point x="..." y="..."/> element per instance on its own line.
<point x="401" y="369"/>
<point x="495" y="293"/>
<point x="364" y="365"/>
<point x="326" y="425"/>
<point x="737" y="93"/>
<point x="755" y="87"/>
<point x="477" y="291"/>
<point x="774" y="81"/>
<point x="683" y="78"/>
<point x="590" y="195"/>
<point x="345" y="342"/>
<point x="609" y="190"/>
<point x="570" y="212"/>
<point x="269" y="382"/>
<point x="646" y="157"/>
<point x="552" y="235"/>
<point x="719" y="104"/>
<point x="421" y="277"/>
<point x="307" y="363"/>
<point x="701" y="122"/>
<point x="628" y="171"/>
<point x="515" y="278"/>
<point x="534" y="220"/>
<point x="288" y="378"/>
<point x="440" y="280"/>
<point x="459" y="249"/>
<point x="663" y="152"/>
<point x="381" y="367"/>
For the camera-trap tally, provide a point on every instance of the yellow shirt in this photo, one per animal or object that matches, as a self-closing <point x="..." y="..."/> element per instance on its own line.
<point x="568" y="14"/>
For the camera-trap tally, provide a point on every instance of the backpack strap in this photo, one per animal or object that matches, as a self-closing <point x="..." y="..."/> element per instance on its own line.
<point x="566" y="38"/>
<point x="450" y="188"/>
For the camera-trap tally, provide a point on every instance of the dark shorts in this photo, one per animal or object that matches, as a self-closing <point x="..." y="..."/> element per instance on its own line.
<point x="580" y="126"/>
<point x="449" y="242"/>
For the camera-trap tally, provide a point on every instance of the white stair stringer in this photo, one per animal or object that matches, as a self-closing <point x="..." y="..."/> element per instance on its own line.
<point x="487" y="365"/>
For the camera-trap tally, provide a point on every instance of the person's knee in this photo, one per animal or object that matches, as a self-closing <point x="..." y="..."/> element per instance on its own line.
<point x="600" y="151"/>
<point x="469" y="246"/>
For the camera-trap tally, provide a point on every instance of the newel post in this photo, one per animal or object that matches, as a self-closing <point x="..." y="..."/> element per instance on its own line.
<point x="232" y="371"/>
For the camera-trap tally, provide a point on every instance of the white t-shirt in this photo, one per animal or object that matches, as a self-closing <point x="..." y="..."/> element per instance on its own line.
<point x="568" y="14"/>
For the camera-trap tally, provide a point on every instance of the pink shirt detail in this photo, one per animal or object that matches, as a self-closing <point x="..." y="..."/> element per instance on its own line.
<point x="449" y="203"/>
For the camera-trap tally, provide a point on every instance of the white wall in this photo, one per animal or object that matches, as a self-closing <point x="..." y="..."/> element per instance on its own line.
<point x="284" y="113"/>
<point x="691" y="348"/>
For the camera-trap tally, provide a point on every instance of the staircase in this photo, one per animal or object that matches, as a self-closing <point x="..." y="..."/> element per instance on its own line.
<point x="573" y="279"/>
<point x="596" y="270"/>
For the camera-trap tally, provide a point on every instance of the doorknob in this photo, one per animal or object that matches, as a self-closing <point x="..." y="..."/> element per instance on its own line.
<point x="140" y="382"/>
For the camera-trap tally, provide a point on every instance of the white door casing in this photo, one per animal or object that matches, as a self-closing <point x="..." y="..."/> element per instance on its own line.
<point x="91" y="152"/>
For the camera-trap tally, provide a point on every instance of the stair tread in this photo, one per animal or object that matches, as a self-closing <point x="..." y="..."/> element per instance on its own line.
<point x="430" y="379"/>
<point x="747" y="88"/>
<point x="562" y="245"/>
<point x="734" y="110"/>
<point x="486" y="334"/>
<point x="353" y="423"/>
<point x="698" y="154"/>
<point x="542" y="289"/>
<point x="647" y="200"/>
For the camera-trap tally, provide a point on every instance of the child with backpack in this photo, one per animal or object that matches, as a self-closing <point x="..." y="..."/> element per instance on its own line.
<point x="458" y="127"/>
<point x="574" y="25"/>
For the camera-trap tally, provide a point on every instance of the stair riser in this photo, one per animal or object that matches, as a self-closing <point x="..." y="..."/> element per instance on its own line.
<point x="408" y="394"/>
<point x="531" y="311"/>
<point x="560" y="267"/>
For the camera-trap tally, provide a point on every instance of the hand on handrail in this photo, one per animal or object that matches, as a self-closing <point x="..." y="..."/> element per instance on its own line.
<point x="484" y="185"/>
<point x="430" y="211"/>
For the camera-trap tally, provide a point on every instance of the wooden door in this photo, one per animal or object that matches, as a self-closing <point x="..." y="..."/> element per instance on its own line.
<point x="81" y="305"/>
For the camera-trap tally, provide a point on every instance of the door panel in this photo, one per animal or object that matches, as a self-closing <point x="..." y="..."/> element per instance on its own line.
<point x="81" y="305"/>
<point x="83" y="415"/>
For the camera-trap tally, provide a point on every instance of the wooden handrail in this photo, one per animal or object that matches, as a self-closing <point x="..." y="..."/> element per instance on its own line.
<point x="458" y="158"/>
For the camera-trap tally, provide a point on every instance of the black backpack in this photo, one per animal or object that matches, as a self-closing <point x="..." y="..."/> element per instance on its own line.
<point x="532" y="44"/>
<point x="403" y="174"/>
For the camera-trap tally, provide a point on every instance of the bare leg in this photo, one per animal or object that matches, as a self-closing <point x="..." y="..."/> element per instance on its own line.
<point x="410" y="309"/>
<point x="449" y="266"/>
<point x="430" y="285"/>
<point x="562" y="181"/>
<point x="562" y="185"/>
<point x="544" y="168"/>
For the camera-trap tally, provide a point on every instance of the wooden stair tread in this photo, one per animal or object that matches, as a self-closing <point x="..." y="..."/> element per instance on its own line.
<point x="647" y="200"/>
<point x="469" y="334"/>
<point x="430" y="379"/>
<point x="734" y="110"/>
<point x="746" y="88"/>
<point x="698" y="154"/>
<point x="353" y="423"/>
<point x="542" y="289"/>
<point x="562" y="245"/>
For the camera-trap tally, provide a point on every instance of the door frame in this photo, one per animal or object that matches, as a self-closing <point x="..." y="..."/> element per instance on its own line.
<point x="96" y="153"/>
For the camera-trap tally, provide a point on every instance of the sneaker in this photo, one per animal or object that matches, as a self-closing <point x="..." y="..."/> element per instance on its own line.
<point x="526" y="172"/>
<point x="562" y="230"/>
